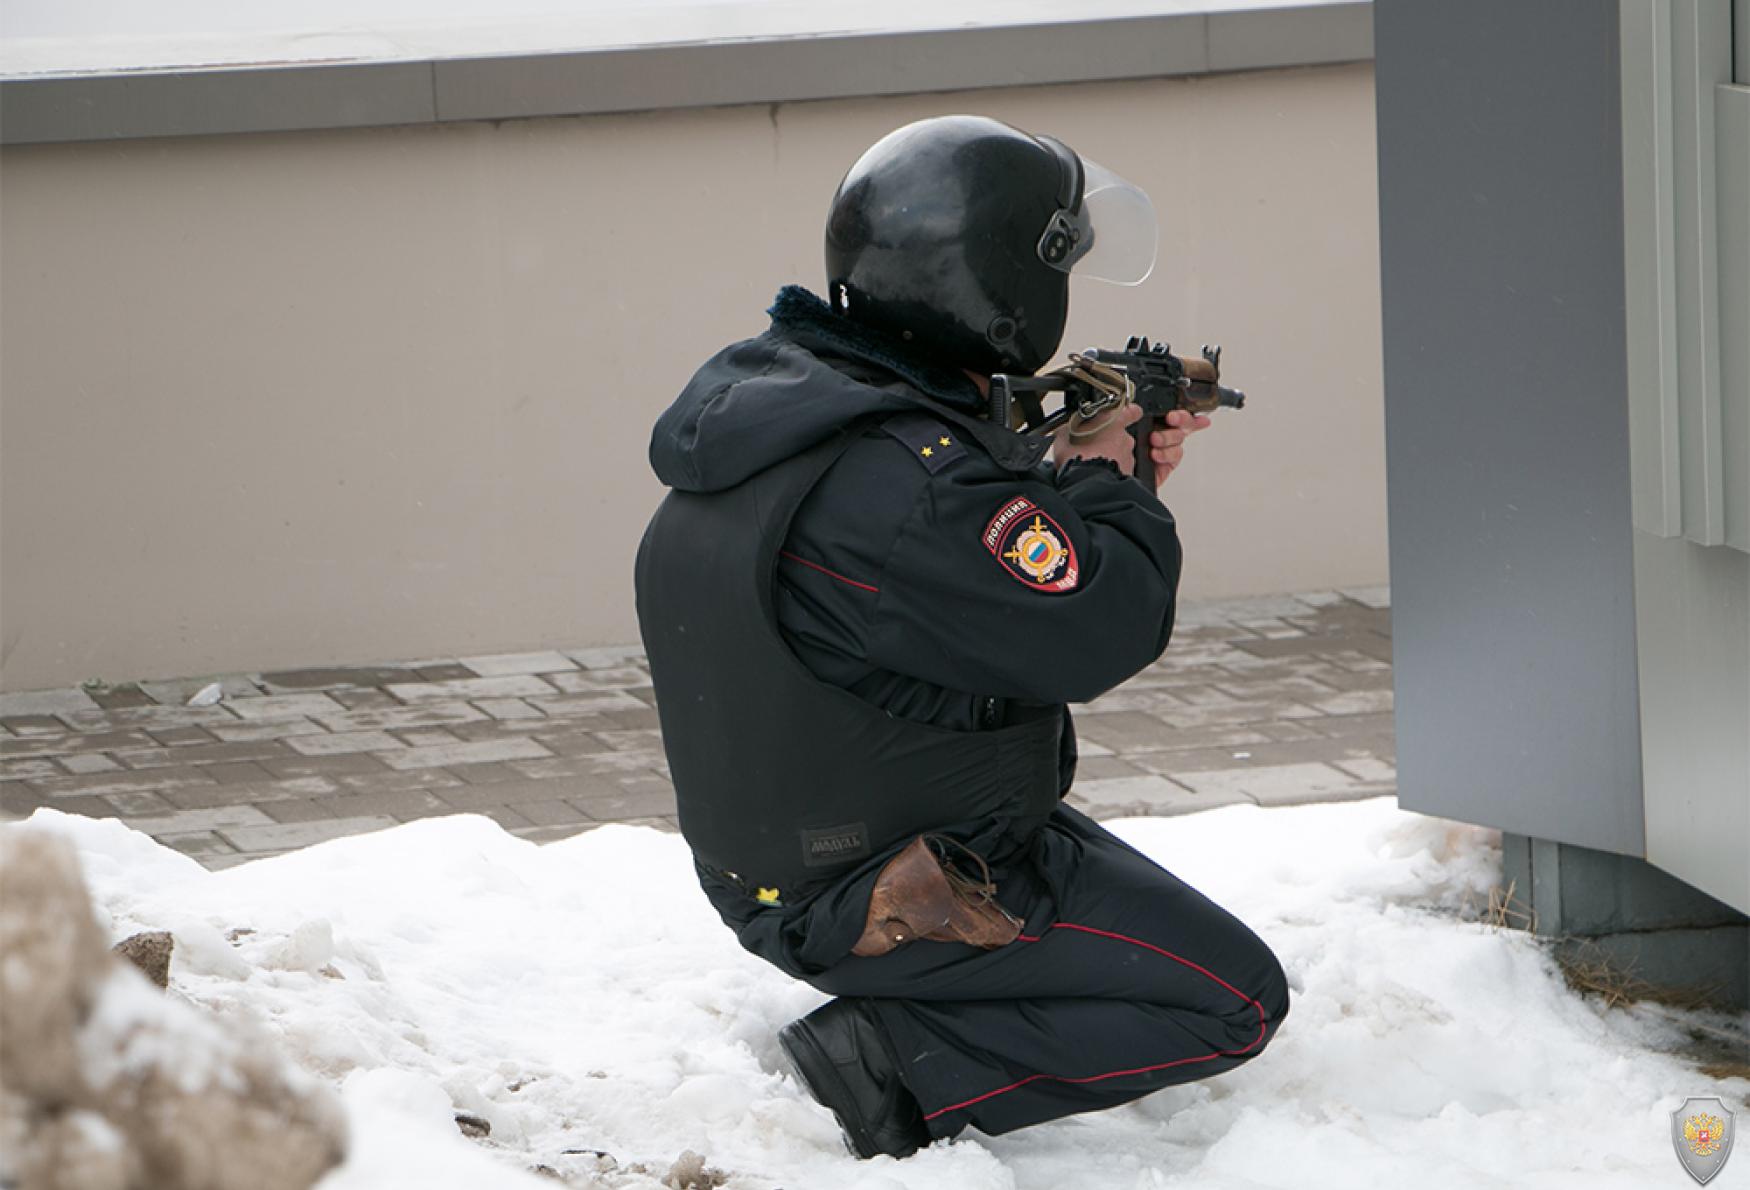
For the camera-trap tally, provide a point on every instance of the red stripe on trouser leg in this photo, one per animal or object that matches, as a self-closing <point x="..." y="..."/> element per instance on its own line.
<point x="1094" y="1078"/>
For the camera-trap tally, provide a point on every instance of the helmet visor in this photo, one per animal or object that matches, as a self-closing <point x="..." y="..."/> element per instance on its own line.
<point x="1123" y="223"/>
<point x="1113" y="236"/>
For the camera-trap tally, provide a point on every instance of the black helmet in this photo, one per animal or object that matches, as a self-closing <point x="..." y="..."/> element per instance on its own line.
<point x="958" y="234"/>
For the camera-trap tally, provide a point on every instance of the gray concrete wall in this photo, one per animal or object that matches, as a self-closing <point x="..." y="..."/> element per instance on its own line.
<point x="359" y="395"/>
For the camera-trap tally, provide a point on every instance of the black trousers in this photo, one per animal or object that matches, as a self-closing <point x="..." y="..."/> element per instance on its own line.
<point x="1125" y="980"/>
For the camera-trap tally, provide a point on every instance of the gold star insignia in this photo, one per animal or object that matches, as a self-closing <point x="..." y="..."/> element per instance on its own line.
<point x="928" y="451"/>
<point x="944" y="440"/>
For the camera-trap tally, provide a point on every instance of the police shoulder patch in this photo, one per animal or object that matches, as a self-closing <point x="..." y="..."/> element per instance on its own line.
<point x="1032" y="547"/>
<point x="931" y="442"/>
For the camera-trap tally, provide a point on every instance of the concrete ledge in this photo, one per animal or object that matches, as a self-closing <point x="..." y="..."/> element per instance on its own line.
<point x="36" y="110"/>
<point x="126" y="106"/>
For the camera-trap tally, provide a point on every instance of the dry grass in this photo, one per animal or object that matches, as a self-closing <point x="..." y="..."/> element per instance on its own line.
<point x="1587" y="967"/>
<point x="1591" y="970"/>
<point x="1718" y="1047"/>
<point x="1507" y="912"/>
<point x="1730" y="1068"/>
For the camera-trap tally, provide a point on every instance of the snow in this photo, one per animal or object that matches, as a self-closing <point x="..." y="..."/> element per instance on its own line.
<point x="207" y="695"/>
<point x="583" y="999"/>
<point x="135" y="1030"/>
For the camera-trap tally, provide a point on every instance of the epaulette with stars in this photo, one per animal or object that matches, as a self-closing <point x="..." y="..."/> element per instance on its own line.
<point x="931" y="441"/>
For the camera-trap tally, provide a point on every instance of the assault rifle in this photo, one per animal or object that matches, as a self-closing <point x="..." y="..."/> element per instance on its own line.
<point x="1098" y="380"/>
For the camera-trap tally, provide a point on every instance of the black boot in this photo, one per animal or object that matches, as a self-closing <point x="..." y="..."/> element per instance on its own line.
<point x="843" y="1059"/>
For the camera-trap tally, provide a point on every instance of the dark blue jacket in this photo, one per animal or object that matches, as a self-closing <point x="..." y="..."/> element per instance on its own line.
<point x="889" y="585"/>
<point x="843" y="517"/>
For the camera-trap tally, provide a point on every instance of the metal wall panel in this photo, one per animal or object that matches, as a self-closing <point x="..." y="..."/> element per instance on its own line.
<point x="1686" y="194"/>
<point x="1501" y="236"/>
<point x="1701" y="46"/>
<point x="1683" y="221"/>
<point x="1741" y="41"/>
<point x="1732" y="138"/>
<point x="1650" y="266"/>
<point x="1692" y="606"/>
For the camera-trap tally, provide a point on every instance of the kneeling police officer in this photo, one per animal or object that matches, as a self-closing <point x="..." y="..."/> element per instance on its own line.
<point x="866" y="604"/>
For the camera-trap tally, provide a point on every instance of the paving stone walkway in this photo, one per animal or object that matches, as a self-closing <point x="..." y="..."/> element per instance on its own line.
<point x="1274" y="700"/>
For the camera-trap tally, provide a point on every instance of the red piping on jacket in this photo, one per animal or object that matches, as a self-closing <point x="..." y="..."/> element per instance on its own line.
<point x="849" y="582"/>
<point x="1094" y="1078"/>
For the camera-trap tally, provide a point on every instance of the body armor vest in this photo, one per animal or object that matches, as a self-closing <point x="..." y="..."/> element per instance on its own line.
<point x="784" y="782"/>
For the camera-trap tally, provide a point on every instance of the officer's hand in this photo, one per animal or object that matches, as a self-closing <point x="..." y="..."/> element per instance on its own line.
<point x="1111" y="442"/>
<point x="1168" y="445"/>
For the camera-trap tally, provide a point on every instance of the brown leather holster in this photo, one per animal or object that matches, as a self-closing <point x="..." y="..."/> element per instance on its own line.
<point x="917" y="895"/>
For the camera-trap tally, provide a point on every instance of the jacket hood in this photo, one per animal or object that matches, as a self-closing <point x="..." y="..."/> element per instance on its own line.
<point x="766" y="399"/>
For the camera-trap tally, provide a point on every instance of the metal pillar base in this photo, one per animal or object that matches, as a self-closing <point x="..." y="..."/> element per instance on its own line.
<point x="1618" y="909"/>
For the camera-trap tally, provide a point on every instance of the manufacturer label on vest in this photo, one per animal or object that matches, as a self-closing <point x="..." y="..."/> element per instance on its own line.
<point x="835" y="845"/>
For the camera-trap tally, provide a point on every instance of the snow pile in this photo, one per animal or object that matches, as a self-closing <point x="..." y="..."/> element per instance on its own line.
<point x="583" y="1000"/>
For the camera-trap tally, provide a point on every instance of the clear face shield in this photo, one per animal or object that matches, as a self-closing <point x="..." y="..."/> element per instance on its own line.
<point x="1104" y="227"/>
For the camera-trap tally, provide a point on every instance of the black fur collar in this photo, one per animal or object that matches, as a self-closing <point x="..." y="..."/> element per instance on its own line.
<point x="803" y="317"/>
<point x="800" y="316"/>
